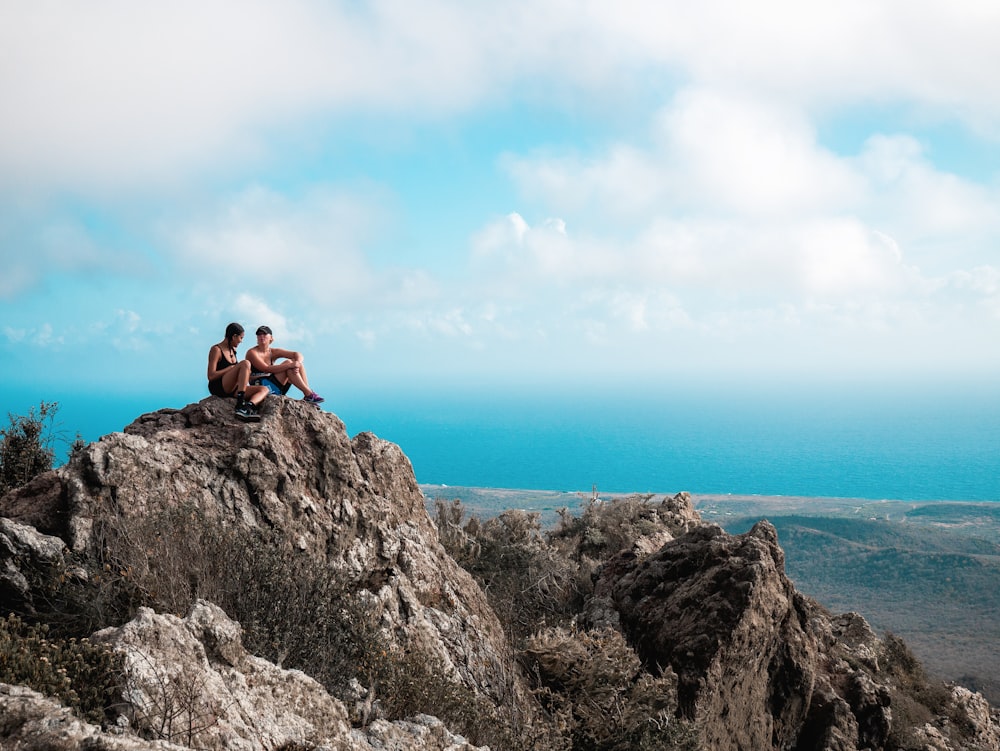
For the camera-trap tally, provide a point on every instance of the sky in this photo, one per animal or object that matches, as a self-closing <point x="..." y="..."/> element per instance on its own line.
<point x="492" y="193"/>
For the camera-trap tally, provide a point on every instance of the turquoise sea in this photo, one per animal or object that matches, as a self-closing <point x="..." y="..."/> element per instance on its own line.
<point x="917" y="444"/>
<point x="934" y="442"/>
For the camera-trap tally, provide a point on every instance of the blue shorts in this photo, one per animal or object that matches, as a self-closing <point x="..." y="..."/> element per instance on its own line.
<point x="273" y="384"/>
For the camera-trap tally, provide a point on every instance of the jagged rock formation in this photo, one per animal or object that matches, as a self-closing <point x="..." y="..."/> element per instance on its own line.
<point x="354" y="503"/>
<point x="758" y="665"/>
<point x="713" y="629"/>
<point x="190" y="684"/>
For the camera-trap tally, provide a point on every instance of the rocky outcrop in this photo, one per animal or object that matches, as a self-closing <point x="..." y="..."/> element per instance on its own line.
<point x="714" y="632"/>
<point x="189" y="683"/>
<point x="758" y="665"/>
<point x="352" y="503"/>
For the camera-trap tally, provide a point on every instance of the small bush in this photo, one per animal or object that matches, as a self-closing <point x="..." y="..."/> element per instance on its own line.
<point x="528" y="583"/>
<point x="81" y="675"/>
<point x="608" y="527"/>
<point x="414" y="683"/>
<point x="916" y="698"/>
<point x="26" y="446"/>
<point x="595" y="686"/>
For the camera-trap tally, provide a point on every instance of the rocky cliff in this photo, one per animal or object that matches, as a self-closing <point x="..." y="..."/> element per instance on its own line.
<point x="675" y="621"/>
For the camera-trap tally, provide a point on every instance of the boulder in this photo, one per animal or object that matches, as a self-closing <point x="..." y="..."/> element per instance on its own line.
<point x="190" y="685"/>
<point x="749" y="652"/>
<point x="26" y="556"/>
<point x="352" y="504"/>
<point x="190" y="682"/>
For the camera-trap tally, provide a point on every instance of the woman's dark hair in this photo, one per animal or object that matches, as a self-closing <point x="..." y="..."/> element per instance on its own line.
<point x="232" y="330"/>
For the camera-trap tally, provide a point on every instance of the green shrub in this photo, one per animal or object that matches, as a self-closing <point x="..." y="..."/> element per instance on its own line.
<point x="26" y="446"/>
<point x="81" y="675"/>
<point x="529" y="584"/>
<point x="595" y="686"/>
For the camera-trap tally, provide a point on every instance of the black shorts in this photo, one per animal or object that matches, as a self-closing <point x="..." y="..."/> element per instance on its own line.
<point x="215" y="387"/>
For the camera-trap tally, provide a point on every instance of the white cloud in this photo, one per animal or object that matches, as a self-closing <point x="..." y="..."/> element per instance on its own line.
<point x="726" y="153"/>
<point x="722" y="216"/>
<point x="35" y="243"/>
<point x="747" y="206"/>
<point x="115" y="94"/>
<point x="14" y="335"/>
<point x="938" y="54"/>
<point x="255" y="312"/>
<point x="281" y="245"/>
<point x="938" y="217"/>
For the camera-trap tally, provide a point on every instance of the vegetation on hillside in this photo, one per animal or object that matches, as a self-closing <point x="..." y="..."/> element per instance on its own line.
<point x="26" y="446"/>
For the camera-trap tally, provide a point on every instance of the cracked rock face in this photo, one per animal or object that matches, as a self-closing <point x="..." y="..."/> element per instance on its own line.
<point x="352" y="503"/>
<point x="748" y="650"/>
<point x="190" y="684"/>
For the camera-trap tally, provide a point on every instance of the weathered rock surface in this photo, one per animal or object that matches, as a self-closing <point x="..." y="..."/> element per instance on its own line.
<point x="711" y="616"/>
<point x="353" y="503"/>
<point x="191" y="681"/>
<point x="25" y="554"/>
<point x="759" y="666"/>
<point x="191" y="684"/>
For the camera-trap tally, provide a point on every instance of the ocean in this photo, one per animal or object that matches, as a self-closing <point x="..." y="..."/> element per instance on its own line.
<point x="917" y="443"/>
<point x="884" y="443"/>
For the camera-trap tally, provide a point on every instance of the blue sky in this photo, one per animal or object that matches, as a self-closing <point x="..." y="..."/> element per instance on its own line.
<point x="498" y="192"/>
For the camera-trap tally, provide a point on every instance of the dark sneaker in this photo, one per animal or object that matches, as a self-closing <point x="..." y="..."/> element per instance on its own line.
<point x="247" y="413"/>
<point x="314" y="398"/>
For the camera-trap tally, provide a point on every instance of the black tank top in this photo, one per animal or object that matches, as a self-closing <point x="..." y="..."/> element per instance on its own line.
<point x="223" y="362"/>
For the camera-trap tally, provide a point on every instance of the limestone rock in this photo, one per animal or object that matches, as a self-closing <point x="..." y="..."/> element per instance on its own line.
<point x="748" y="650"/>
<point x="190" y="681"/>
<point x="354" y="504"/>
<point x="31" y="721"/>
<point x="972" y="711"/>
<point x="25" y="553"/>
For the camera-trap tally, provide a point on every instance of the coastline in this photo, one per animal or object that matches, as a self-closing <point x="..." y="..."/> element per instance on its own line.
<point x="496" y="500"/>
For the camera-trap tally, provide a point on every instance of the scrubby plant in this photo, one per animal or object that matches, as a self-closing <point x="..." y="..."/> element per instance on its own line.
<point x="529" y="584"/>
<point x="294" y="610"/>
<point x="26" y="446"/>
<point x="82" y="675"/>
<point x="417" y="683"/>
<point x="600" y="693"/>
<point x="916" y="697"/>
<point x="595" y="691"/>
<point x="605" y="528"/>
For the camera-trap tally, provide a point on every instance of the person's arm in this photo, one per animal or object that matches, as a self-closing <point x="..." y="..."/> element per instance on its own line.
<point x="257" y="362"/>
<point x="214" y="354"/>
<point x="292" y="359"/>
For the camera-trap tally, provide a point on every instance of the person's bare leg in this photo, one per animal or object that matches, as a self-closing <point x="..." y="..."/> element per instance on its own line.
<point x="236" y="378"/>
<point x="296" y="377"/>
<point x="256" y="394"/>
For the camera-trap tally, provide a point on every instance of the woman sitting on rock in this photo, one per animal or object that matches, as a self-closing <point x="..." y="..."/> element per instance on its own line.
<point x="230" y="376"/>
<point x="278" y="377"/>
